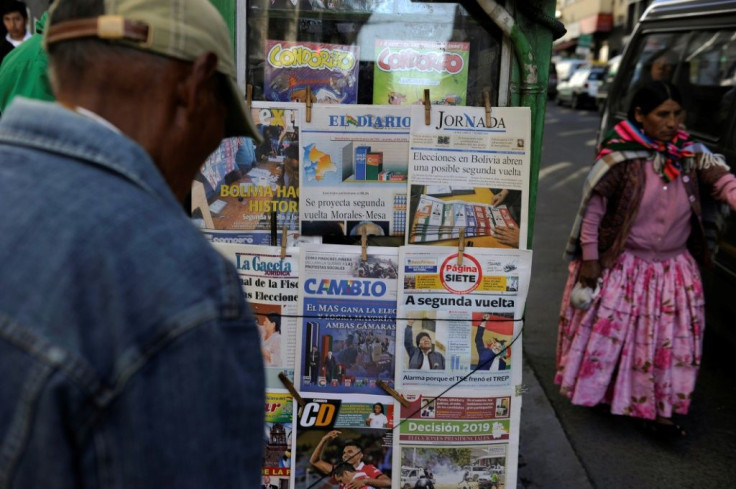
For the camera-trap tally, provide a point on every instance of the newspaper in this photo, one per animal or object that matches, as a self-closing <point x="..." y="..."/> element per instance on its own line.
<point x="458" y="442"/>
<point x="460" y="323"/>
<point x="270" y="285"/>
<point x="348" y="309"/>
<point x="343" y="440"/>
<point x="354" y="170"/>
<point x="278" y="441"/>
<point x="247" y="193"/>
<point x="469" y="172"/>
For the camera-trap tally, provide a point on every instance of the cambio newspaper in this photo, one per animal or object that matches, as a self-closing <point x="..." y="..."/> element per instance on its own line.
<point x="348" y="327"/>
<point x="469" y="171"/>
<point x="460" y="323"/>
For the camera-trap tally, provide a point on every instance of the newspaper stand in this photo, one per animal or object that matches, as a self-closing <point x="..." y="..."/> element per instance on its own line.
<point x="501" y="54"/>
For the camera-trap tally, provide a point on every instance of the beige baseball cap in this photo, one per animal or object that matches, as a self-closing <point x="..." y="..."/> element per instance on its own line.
<point x="181" y="29"/>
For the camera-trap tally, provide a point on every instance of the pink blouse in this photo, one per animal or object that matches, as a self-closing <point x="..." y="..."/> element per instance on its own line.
<point x="662" y="225"/>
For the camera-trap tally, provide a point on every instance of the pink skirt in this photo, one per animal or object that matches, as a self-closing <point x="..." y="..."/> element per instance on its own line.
<point x="638" y="347"/>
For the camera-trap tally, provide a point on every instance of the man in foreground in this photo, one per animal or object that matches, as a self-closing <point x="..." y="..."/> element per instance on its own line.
<point x="127" y="352"/>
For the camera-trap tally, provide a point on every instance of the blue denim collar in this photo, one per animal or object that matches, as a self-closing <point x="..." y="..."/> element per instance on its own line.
<point x="37" y="124"/>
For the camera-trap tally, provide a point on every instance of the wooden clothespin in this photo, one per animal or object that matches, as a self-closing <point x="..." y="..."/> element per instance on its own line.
<point x="248" y="95"/>
<point x="427" y="108"/>
<point x="308" y="101"/>
<point x="460" y="247"/>
<point x="290" y="387"/>
<point x="487" y="104"/>
<point x="283" y="242"/>
<point x="383" y="385"/>
<point x="363" y="244"/>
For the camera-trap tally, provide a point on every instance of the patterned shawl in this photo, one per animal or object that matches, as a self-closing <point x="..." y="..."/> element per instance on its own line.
<point x="625" y="136"/>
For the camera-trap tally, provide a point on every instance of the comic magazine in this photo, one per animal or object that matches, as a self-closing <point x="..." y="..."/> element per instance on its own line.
<point x="330" y="70"/>
<point x="403" y="69"/>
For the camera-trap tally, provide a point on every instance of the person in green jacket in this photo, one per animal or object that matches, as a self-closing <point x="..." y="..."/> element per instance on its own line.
<point x="24" y="70"/>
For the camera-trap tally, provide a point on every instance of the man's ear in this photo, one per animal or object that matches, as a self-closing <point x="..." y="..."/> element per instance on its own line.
<point x="202" y="70"/>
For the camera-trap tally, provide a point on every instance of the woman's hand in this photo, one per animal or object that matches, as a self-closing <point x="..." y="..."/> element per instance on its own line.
<point x="590" y="272"/>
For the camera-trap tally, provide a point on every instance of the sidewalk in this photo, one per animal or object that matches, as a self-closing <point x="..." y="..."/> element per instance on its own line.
<point x="546" y="458"/>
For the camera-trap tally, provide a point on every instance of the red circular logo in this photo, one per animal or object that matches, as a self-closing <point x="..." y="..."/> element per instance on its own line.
<point x="460" y="279"/>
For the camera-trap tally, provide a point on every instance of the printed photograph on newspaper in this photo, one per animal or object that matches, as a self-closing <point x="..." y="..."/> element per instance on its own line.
<point x="450" y="442"/>
<point x="339" y="441"/>
<point x="246" y="193"/>
<point x="460" y="321"/>
<point x="329" y="70"/>
<point x="277" y="441"/>
<point x="348" y="309"/>
<point x="469" y="171"/>
<point x="271" y="286"/>
<point x="353" y="171"/>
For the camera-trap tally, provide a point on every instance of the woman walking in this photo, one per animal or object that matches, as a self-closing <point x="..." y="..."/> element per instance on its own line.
<point x="635" y="344"/>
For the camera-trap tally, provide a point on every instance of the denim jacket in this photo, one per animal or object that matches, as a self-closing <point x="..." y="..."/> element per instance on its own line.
<point x="128" y="357"/>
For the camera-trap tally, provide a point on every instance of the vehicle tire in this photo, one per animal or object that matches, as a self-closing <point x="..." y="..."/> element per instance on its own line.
<point x="574" y="102"/>
<point x="558" y="100"/>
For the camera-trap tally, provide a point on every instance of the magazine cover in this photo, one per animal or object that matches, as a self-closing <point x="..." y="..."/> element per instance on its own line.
<point x="330" y="70"/>
<point x="342" y="441"/>
<point x="403" y="69"/>
<point x="277" y="441"/>
<point x="246" y="193"/>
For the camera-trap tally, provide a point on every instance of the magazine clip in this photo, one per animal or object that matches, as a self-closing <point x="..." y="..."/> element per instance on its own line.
<point x="487" y="104"/>
<point x="427" y="108"/>
<point x="308" y="102"/>
<point x="290" y="387"/>
<point x="363" y="244"/>
<point x="383" y="385"/>
<point x="460" y="247"/>
<point x="283" y="242"/>
<point x="248" y="95"/>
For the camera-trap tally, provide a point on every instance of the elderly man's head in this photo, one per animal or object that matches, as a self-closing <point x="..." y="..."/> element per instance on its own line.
<point x="162" y="71"/>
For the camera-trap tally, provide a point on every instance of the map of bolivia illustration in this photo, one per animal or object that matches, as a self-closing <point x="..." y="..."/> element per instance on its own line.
<point x="317" y="163"/>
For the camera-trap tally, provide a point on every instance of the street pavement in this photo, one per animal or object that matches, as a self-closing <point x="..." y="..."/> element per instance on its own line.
<point x="566" y="446"/>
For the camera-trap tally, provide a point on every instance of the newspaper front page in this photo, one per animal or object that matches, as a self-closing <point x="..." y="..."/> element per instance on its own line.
<point x="460" y="323"/>
<point x="354" y="170"/>
<point x="469" y="171"/>
<point x="458" y="442"/>
<point x="340" y="440"/>
<point x="246" y="192"/>
<point x="348" y="329"/>
<point x="271" y="286"/>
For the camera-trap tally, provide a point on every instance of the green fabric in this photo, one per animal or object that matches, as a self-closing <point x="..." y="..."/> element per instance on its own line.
<point x="24" y="70"/>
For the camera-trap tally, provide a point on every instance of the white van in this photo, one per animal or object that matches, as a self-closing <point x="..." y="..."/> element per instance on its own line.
<point x="691" y="43"/>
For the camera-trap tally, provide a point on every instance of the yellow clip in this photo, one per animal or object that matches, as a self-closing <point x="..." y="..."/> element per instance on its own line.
<point x="487" y="103"/>
<point x="308" y="101"/>
<point x="283" y="242"/>
<point x="363" y="244"/>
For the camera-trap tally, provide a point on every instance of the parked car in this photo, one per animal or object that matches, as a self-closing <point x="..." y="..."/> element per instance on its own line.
<point x="698" y="40"/>
<point x="581" y="89"/>
<point x="610" y="73"/>
<point x="566" y="67"/>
